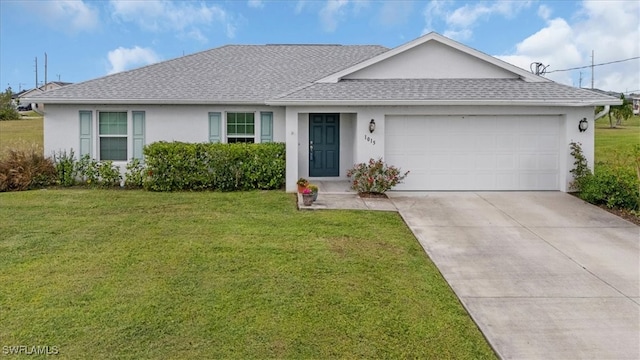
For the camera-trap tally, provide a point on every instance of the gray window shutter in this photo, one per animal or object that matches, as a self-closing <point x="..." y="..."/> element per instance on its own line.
<point x="138" y="134"/>
<point x="85" y="133"/>
<point x="266" y="127"/>
<point x="215" y="127"/>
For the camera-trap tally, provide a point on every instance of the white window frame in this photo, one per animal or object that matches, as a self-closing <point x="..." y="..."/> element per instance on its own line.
<point x="226" y="126"/>
<point x="126" y="136"/>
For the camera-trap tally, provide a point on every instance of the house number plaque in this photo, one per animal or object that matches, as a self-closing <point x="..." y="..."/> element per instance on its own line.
<point x="369" y="139"/>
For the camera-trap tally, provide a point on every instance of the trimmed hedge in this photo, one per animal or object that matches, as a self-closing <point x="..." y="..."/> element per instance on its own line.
<point x="226" y="167"/>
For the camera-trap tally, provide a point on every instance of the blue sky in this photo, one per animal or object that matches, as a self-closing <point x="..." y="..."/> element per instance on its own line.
<point x="89" y="39"/>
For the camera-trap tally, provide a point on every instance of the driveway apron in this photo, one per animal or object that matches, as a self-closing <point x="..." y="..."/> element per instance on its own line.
<point x="543" y="274"/>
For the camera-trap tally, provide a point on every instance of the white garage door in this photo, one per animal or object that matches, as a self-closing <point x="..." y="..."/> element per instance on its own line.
<point x="475" y="152"/>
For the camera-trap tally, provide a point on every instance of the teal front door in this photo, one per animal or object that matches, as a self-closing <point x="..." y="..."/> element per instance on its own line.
<point x="324" y="145"/>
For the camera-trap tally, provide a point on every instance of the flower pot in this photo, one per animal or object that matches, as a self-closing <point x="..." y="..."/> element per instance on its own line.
<point x="307" y="199"/>
<point x="315" y="195"/>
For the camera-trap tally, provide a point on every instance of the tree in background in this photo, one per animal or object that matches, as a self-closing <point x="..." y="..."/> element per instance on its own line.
<point x="620" y="112"/>
<point x="7" y="109"/>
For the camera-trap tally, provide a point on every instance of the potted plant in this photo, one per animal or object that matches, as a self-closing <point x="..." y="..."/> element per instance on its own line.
<point x="302" y="184"/>
<point x="307" y="197"/>
<point x="314" y="191"/>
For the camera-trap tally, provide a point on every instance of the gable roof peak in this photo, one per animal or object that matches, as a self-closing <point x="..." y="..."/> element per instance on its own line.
<point x="434" y="36"/>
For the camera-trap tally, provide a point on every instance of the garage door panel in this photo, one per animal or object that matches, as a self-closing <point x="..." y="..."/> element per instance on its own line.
<point x="475" y="152"/>
<point x="549" y="162"/>
<point x="549" y="142"/>
<point x="485" y="162"/>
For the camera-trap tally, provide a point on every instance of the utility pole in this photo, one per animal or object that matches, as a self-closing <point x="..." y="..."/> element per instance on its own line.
<point x="36" y="72"/>
<point x="592" y="69"/>
<point x="580" y="81"/>
<point x="45" y="69"/>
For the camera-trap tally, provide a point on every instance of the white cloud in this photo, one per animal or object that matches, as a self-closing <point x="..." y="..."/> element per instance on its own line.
<point x="122" y="59"/>
<point x="256" y="4"/>
<point x="461" y="21"/>
<point x="331" y="13"/>
<point x="434" y="10"/>
<point x="544" y="12"/>
<point x="166" y="16"/>
<point x="609" y="29"/>
<point x="68" y="15"/>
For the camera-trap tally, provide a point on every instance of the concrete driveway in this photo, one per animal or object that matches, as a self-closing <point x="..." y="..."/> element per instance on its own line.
<point x="544" y="274"/>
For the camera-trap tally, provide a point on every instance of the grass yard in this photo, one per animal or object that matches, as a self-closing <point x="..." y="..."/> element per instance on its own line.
<point x="134" y="274"/>
<point x="21" y="133"/>
<point x="611" y="141"/>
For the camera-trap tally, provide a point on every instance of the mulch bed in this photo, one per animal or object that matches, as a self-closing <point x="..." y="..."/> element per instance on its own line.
<point x="623" y="213"/>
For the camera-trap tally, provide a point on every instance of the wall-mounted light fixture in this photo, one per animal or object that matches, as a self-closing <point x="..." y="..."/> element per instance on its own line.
<point x="372" y="126"/>
<point x="583" y="125"/>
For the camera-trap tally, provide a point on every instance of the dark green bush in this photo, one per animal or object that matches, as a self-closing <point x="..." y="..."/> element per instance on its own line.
<point x="134" y="175"/>
<point x="66" y="168"/>
<point x="94" y="173"/>
<point x="26" y="169"/>
<point x="226" y="167"/>
<point x="613" y="187"/>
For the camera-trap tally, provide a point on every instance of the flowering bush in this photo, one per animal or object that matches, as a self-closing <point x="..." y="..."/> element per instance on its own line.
<point x="306" y="191"/>
<point x="375" y="177"/>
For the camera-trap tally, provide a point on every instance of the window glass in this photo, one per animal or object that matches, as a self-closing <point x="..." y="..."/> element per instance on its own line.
<point x="240" y="127"/>
<point x="113" y="135"/>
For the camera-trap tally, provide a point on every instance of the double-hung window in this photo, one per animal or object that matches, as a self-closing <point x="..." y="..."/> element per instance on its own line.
<point x="240" y="127"/>
<point x="113" y="135"/>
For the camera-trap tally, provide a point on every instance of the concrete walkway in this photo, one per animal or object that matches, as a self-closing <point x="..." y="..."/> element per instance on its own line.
<point x="543" y="274"/>
<point x="338" y="195"/>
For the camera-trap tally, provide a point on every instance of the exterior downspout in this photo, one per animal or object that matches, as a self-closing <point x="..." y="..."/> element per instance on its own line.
<point x="602" y="113"/>
<point x="35" y="109"/>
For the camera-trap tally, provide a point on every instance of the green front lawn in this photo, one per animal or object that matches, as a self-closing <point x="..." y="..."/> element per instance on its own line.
<point x="615" y="142"/>
<point x="21" y="134"/>
<point x="133" y="274"/>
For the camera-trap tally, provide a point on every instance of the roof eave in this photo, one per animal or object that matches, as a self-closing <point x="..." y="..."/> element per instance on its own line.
<point x="130" y="101"/>
<point x="555" y="103"/>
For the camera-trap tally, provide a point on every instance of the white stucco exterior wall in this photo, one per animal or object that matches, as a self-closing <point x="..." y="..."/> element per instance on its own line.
<point x="187" y="123"/>
<point x="190" y="124"/>
<point x="432" y="60"/>
<point x="368" y="145"/>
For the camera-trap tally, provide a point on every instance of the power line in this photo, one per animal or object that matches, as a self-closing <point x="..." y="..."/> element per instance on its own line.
<point x="588" y="66"/>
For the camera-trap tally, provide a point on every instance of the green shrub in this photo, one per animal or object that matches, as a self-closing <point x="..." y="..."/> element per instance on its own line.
<point x="134" y="175"/>
<point x="7" y="110"/>
<point x="375" y="177"/>
<point x="580" y="168"/>
<point x="615" y="185"/>
<point x="226" y="167"/>
<point x="95" y="173"/>
<point x="65" y="167"/>
<point x="26" y="169"/>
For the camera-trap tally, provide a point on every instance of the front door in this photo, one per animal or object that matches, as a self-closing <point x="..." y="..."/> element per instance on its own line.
<point x="324" y="145"/>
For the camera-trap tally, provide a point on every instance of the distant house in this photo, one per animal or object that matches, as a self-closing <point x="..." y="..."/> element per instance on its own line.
<point x="457" y="118"/>
<point x="634" y="99"/>
<point x="26" y="94"/>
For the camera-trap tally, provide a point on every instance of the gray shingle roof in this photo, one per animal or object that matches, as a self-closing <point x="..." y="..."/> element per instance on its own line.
<point x="452" y="90"/>
<point x="232" y="73"/>
<point x="282" y="74"/>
